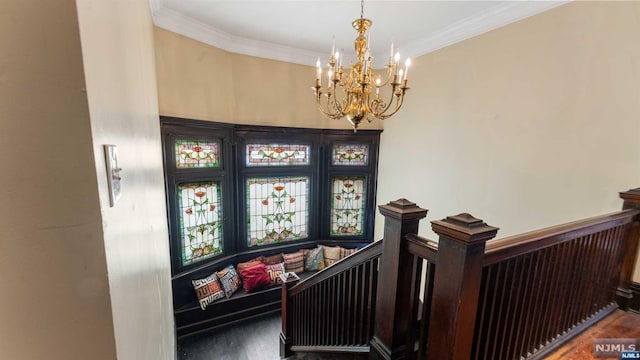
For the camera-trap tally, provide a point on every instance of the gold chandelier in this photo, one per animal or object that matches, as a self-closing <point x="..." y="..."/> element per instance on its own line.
<point x="357" y="95"/>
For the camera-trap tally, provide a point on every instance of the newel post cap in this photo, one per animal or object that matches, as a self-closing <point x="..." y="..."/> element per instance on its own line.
<point x="402" y="209"/>
<point x="464" y="228"/>
<point x="631" y="196"/>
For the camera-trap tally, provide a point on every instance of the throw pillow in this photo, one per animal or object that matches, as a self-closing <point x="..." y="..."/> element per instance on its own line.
<point x="346" y="252"/>
<point x="229" y="279"/>
<point x="208" y="290"/>
<point x="248" y="264"/>
<point x="331" y="255"/>
<point x="274" y="272"/>
<point x="294" y="262"/>
<point x="273" y="260"/>
<point x="255" y="278"/>
<point x="314" y="260"/>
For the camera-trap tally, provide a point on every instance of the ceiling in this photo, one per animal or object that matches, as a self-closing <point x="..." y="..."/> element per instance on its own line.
<point x="300" y="31"/>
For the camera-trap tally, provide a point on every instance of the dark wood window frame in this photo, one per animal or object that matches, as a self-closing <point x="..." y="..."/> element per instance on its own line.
<point x="233" y="173"/>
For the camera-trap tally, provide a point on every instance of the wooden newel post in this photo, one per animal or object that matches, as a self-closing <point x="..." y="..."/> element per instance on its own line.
<point x="624" y="295"/>
<point x="456" y="285"/>
<point x="287" y="321"/>
<point x="393" y="301"/>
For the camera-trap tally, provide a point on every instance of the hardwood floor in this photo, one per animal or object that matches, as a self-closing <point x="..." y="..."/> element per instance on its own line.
<point x="259" y="339"/>
<point x="620" y="324"/>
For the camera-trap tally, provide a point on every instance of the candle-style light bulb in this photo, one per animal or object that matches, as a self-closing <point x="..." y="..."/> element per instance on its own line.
<point x="318" y="69"/>
<point x="378" y="81"/>
<point x="400" y="75"/>
<point x="333" y="46"/>
<point x="396" y="60"/>
<point x="406" y="68"/>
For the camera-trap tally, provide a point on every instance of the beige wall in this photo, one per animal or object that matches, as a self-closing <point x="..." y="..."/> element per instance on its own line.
<point x="530" y="125"/>
<point x="198" y="81"/>
<point x="54" y="301"/>
<point x="117" y="43"/>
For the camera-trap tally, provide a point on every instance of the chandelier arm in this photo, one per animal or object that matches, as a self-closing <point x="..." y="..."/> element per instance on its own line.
<point x="399" y="101"/>
<point x="326" y="109"/>
<point x="387" y="103"/>
<point x="341" y="109"/>
<point x="388" y="77"/>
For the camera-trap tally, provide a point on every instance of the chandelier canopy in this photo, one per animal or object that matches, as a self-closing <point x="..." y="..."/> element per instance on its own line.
<point x="357" y="95"/>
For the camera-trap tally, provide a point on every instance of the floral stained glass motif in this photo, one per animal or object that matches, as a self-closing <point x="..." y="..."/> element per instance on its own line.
<point x="351" y="154"/>
<point x="197" y="154"/>
<point x="200" y="220"/>
<point x="347" y="205"/>
<point x="277" y="209"/>
<point x="277" y="154"/>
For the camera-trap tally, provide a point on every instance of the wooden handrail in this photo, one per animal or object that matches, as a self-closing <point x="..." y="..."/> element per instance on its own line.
<point x="365" y="254"/>
<point x="333" y="310"/>
<point x="512" y="246"/>
<point x="422" y="247"/>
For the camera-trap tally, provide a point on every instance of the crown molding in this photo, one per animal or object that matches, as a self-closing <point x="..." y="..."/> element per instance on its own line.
<point x="480" y="23"/>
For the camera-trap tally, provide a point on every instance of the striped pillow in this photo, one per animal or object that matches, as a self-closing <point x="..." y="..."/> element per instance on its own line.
<point x="346" y="252"/>
<point x="294" y="262"/>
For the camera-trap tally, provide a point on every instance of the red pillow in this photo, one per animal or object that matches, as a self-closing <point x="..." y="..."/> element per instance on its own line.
<point x="255" y="278"/>
<point x="248" y="264"/>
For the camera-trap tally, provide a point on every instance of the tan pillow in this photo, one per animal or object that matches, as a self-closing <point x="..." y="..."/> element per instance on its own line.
<point x="273" y="260"/>
<point x="331" y="255"/>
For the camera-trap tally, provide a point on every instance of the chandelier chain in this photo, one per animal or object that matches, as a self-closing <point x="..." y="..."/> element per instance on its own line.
<point x="361" y="9"/>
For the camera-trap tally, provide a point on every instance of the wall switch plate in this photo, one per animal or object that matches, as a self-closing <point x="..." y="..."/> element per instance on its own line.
<point x="113" y="173"/>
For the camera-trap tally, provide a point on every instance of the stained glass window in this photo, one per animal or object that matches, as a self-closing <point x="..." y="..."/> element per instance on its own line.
<point x="277" y="154"/>
<point x="200" y="220"/>
<point x="277" y="209"/>
<point x="347" y="205"/>
<point x="351" y="154"/>
<point x="197" y="154"/>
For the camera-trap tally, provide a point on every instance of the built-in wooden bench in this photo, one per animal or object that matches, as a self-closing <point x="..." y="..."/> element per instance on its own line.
<point x="190" y="318"/>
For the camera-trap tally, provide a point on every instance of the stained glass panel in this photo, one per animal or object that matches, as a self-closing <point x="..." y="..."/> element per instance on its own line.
<point x="347" y="205"/>
<point x="277" y="209"/>
<point x="200" y="220"/>
<point x="351" y="154"/>
<point x="197" y="154"/>
<point x="277" y="154"/>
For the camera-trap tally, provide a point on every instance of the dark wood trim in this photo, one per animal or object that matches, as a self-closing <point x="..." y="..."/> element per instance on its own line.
<point x="634" y="304"/>
<point x="369" y="252"/>
<point x="456" y="285"/>
<point x="422" y="247"/>
<point x="394" y="322"/>
<point x="232" y="175"/>
<point x="512" y="246"/>
<point x="331" y="349"/>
